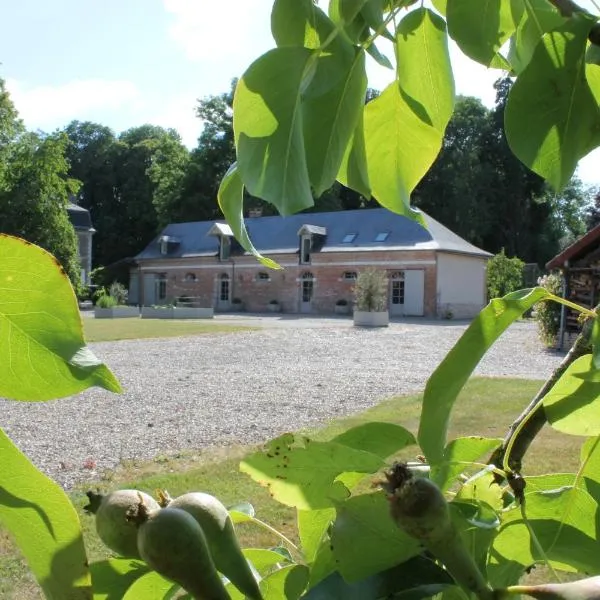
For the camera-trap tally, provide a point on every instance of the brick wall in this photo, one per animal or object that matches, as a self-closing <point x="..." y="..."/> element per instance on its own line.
<point x="327" y="268"/>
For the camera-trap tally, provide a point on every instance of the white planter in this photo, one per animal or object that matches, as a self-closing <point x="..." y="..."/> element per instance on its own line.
<point x="116" y="312"/>
<point x="371" y="319"/>
<point x="178" y="312"/>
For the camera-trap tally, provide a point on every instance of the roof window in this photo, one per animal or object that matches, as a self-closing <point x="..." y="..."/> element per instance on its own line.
<point x="382" y="236"/>
<point x="349" y="238"/>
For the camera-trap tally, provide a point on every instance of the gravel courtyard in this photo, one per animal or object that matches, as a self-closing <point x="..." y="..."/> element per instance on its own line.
<point x="244" y="387"/>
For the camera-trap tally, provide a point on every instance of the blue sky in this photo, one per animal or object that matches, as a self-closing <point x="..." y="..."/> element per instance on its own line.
<point x="123" y="63"/>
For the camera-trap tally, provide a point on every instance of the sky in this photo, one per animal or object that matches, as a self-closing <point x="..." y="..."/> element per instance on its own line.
<point x="123" y="63"/>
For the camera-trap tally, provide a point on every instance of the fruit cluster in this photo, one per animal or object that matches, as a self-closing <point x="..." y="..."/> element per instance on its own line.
<point x="188" y="540"/>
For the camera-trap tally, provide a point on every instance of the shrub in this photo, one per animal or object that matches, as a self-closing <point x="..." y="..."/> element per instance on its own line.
<point x="371" y="291"/>
<point x="106" y="301"/>
<point x="547" y="314"/>
<point x="119" y="292"/>
<point x="504" y="275"/>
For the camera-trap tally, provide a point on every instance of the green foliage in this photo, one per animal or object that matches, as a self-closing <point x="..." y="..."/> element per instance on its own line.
<point x="119" y="292"/>
<point x="106" y="301"/>
<point x="504" y="275"/>
<point x="547" y="314"/>
<point x="370" y="290"/>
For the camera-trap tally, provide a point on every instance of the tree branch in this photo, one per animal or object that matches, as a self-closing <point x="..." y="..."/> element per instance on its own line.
<point x="531" y="421"/>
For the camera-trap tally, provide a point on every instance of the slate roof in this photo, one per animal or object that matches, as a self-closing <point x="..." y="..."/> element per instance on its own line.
<point x="279" y="235"/>
<point x="79" y="217"/>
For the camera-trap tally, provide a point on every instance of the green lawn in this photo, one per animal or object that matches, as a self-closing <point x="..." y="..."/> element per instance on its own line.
<point x="486" y="407"/>
<point x="108" y="330"/>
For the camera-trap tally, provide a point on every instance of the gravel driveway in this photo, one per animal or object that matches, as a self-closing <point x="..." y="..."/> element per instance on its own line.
<point x="244" y="387"/>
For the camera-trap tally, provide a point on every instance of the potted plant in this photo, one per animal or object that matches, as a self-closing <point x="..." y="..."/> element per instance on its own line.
<point x="342" y="307"/>
<point x="370" y="292"/>
<point x="113" y="304"/>
<point x="274" y="306"/>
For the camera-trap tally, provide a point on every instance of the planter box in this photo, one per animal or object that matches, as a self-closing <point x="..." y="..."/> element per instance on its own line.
<point x="170" y="312"/>
<point x="371" y="319"/>
<point x="116" y="312"/>
<point x="274" y="307"/>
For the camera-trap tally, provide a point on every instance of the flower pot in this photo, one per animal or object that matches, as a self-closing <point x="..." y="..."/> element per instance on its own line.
<point x="371" y="319"/>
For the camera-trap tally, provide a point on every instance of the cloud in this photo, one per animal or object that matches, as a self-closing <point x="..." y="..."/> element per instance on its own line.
<point x="51" y="106"/>
<point x="213" y="30"/>
<point x="179" y="114"/>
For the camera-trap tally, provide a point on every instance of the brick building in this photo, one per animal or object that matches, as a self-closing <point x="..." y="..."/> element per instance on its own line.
<point x="432" y="272"/>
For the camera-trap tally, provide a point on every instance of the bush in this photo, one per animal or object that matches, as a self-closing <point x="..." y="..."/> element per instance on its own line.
<point x="119" y="292"/>
<point x="504" y="275"/>
<point x="547" y="314"/>
<point x="371" y="291"/>
<point x="106" y="301"/>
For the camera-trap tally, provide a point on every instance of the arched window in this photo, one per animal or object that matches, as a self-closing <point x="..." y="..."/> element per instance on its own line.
<point x="224" y="287"/>
<point x="189" y="277"/>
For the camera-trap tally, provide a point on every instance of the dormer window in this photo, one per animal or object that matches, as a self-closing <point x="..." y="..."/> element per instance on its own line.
<point x="166" y="243"/>
<point x="224" y="248"/>
<point x="305" y="243"/>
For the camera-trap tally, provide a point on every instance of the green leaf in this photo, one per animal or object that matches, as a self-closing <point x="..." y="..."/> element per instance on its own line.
<point x="412" y="580"/>
<point x="382" y="545"/>
<point x="539" y="18"/>
<point x="440" y="6"/>
<point x="372" y="13"/>
<point x="324" y="563"/>
<point x="151" y="586"/>
<point x="41" y="337"/>
<point x="381" y="59"/>
<point x="595" y="340"/>
<point x="552" y="119"/>
<point x="564" y="521"/>
<point x="113" y="576"/>
<point x="330" y="118"/>
<point x="346" y="15"/>
<point x="457" y="456"/>
<point x="312" y="526"/>
<point x="382" y="439"/>
<point x="43" y="522"/>
<point x="354" y="172"/>
<point x="231" y="203"/>
<point x="304" y="475"/>
<point x="426" y="78"/>
<point x="480" y="27"/>
<point x="287" y="583"/>
<point x="448" y="379"/>
<point x="299" y="23"/>
<point x="267" y="122"/>
<point x="572" y="405"/>
<point x="263" y="560"/>
<point x="404" y="126"/>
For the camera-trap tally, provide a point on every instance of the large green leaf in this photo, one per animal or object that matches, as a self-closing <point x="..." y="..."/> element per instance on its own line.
<point x="112" y="577"/>
<point x="414" y="579"/>
<point x="480" y="27"/>
<point x="287" y="583"/>
<point x="564" y="522"/>
<point x="263" y="560"/>
<point x="267" y="122"/>
<point x="573" y="404"/>
<point x="382" y="439"/>
<point x="458" y="456"/>
<point x="404" y="126"/>
<point x="38" y="514"/>
<point x="552" y="119"/>
<point x="312" y="526"/>
<point x="231" y="203"/>
<point x="299" y="23"/>
<point x="346" y="14"/>
<point x="304" y="475"/>
<point x="539" y="18"/>
<point x="426" y="79"/>
<point x="354" y="172"/>
<point x="151" y="586"/>
<point x="42" y="351"/>
<point x="382" y="545"/>
<point x="330" y="117"/>
<point x="453" y="372"/>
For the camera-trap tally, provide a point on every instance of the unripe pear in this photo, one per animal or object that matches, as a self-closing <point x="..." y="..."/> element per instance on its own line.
<point x="113" y="528"/>
<point x="224" y="546"/>
<point x="172" y="543"/>
<point x="583" y="589"/>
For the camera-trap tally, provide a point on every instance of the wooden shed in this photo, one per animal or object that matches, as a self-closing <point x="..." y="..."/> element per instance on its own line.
<point x="579" y="264"/>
